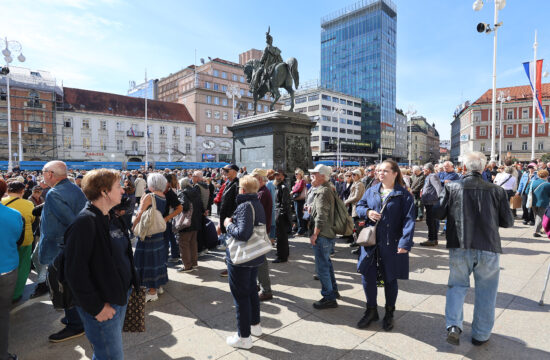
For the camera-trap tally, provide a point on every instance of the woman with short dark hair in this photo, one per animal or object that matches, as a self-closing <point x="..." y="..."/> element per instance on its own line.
<point x="99" y="268"/>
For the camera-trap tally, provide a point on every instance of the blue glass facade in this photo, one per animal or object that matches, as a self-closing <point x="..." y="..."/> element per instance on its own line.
<point x="358" y="57"/>
<point x="146" y="90"/>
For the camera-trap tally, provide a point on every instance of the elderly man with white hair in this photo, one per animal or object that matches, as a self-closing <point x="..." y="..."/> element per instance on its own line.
<point x="63" y="203"/>
<point x="474" y="209"/>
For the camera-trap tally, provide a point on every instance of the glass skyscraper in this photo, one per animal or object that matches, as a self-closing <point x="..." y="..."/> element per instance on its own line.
<point x="358" y="56"/>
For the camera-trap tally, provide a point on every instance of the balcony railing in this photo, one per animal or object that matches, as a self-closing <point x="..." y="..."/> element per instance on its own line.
<point x="134" y="153"/>
<point x="135" y="133"/>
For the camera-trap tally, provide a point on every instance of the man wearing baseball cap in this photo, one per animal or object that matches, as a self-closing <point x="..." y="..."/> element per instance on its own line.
<point x="322" y="235"/>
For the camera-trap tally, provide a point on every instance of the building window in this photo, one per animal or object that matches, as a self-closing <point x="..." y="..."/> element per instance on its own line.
<point x="509" y="146"/>
<point x="208" y="99"/>
<point x="224" y="75"/>
<point x="216" y="86"/>
<point x="541" y="146"/>
<point x="241" y="92"/>
<point x="483" y="131"/>
<point x="67" y="142"/>
<point x="525" y="113"/>
<point x="224" y="88"/>
<point x="208" y="128"/>
<point x="216" y="114"/>
<point x="259" y="107"/>
<point x="216" y="100"/>
<point x="216" y="73"/>
<point x="241" y="79"/>
<point x="187" y="132"/>
<point x="224" y="101"/>
<point x="266" y="108"/>
<point x="234" y="77"/>
<point x="540" y="128"/>
<point x="86" y="143"/>
<point x="67" y="122"/>
<point x="85" y="123"/>
<point x="216" y="129"/>
<point x="207" y="85"/>
<point x="477" y="116"/>
<point x="102" y="144"/>
<point x="250" y="106"/>
<point x="208" y="113"/>
<point x="120" y="144"/>
<point x="118" y="126"/>
<point x="135" y="146"/>
<point x="497" y="113"/>
<point x="525" y="129"/>
<point x="187" y="148"/>
<point x="524" y="145"/>
<point x="149" y="146"/>
<point x="3" y="95"/>
<point x="509" y="130"/>
<point x="103" y="125"/>
<point x="149" y="130"/>
<point x="162" y="147"/>
<point x="510" y="114"/>
<point x="224" y="116"/>
<point x="163" y="130"/>
<point x="224" y="129"/>
<point x="176" y="131"/>
<point x="34" y="99"/>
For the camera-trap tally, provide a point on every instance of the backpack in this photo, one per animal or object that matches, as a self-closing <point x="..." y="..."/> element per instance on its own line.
<point x="343" y="222"/>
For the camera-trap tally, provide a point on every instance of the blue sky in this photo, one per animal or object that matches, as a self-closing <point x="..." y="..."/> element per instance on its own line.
<point x="441" y="59"/>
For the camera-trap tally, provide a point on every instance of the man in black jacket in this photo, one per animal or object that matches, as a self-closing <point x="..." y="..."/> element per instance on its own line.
<point x="282" y="216"/>
<point x="229" y="199"/>
<point x="417" y="184"/>
<point x="474" y="209"/>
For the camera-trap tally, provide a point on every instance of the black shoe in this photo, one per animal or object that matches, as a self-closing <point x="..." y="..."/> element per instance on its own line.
<point x="337" y="294"/>
<point x="532" y="223"/>
<point x="66" y="334"/>
<point x="387" y="322"/>
<point x="429" y="243"/>
<point x="39" y="290"/>
<point x="278" y="261"/>
<point x="453" y="335"/>
<point x="64" y="321"/>
<point x="537" y="235"/>
<point x="264" y="296"/>
<point x="371" y="314"/>
<point x="325" y="304"/>
<point x="478" y="342"/>
<point x="12" y="356"/>
<point x="525" y="222"/>
<point x="353" y="244"/>
<point x="350" y="240"/>
<point x="315" y="277"/>
<point x="355" y="251"/>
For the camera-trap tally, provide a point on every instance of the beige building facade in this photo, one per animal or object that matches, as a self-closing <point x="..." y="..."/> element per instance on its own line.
<point x="424" y="141"/>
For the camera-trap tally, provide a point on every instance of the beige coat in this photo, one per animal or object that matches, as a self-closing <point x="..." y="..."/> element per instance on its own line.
<point x="355" y="194"/>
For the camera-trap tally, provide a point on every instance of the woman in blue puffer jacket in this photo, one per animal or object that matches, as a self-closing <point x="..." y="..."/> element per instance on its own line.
<point x="242" y="277"/>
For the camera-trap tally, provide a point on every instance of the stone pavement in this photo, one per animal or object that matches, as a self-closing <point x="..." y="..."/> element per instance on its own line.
<point x="195" y="315"/>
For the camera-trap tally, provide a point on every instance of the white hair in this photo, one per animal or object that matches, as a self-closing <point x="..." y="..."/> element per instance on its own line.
<point x="416" y="168"/>
<point x="156" y="182"/>
<point x="198" y="174"/>
<point x="59" y="168"/>
<point x="184" y="183"/>
<point x="474" y="161"/>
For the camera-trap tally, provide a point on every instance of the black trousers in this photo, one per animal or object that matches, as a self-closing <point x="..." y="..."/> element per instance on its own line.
<point x="528" y="214"/>
<point x="432" y="223"/>
<point x="281" y="228"/>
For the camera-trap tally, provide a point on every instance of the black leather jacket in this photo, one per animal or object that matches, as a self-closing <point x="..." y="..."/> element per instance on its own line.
<point x="474" y="210"/>
<point x="229" y="200"/>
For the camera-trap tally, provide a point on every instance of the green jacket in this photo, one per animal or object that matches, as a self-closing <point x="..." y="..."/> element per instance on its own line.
<point x="322" y="213"/>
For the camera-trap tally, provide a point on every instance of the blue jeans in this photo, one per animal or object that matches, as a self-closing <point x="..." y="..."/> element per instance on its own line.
<point x="299" y="209"/>
<point x="242" y="283"/>
<point x="485" y="266"/>
<point x="323" y="265"/>
<point x="106" y="336"/>
<point x="170" y="242"/>
<point x="272" y="232"/>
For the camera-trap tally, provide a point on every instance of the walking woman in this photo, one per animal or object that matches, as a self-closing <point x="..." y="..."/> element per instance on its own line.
<point x="298" y="194"/>
<point x="394" y="239"/>
<point x="242" y="277"/>
<point x="11" y="224"/>
<point x="150" y="254"/>
<point x="541" y="199"/>
<point x="99" y="265"/>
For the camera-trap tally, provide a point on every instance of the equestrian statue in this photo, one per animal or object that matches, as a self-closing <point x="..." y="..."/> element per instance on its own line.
<point x="270" y="73"/>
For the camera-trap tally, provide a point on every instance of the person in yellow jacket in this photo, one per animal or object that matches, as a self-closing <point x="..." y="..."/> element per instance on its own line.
<point x="15" y="201"/>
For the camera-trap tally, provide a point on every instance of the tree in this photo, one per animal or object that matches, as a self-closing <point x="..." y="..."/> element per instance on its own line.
<point x="545" y="157"/>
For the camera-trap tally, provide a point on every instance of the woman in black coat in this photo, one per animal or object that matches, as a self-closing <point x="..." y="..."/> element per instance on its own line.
<point x="187" y="238"/>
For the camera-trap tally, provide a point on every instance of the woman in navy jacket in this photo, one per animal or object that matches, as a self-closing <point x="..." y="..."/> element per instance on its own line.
<point x="394" y="239"/>
<point x="242" y="277"/>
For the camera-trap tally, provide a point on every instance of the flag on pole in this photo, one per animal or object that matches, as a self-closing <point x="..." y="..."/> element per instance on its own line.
<point x="534" y="74"/>
<point x="132" y="128"/>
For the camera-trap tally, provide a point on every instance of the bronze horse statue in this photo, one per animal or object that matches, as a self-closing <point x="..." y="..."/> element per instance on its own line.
<point x="282" y="76"/>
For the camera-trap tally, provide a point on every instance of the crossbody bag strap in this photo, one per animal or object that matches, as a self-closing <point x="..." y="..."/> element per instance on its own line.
<point x="12" y="200"/>
<point x="253" y="214"/>
<point x="505" y="181"/>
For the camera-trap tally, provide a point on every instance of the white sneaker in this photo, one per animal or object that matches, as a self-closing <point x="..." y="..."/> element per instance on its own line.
<point x="160" y="290"/>
<point x="221" y="247"/>
<point x="256" y="330"/>
<point x="183" y="269"/>
<point x="238" y="342"/>
<point x="151" y="297"/>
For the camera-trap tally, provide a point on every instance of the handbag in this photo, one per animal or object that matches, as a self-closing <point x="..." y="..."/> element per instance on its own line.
<point x="302" y="195"/>
<point x="151" y="221"/>
<point x="529" y="202"/>
<point x="515" y="202"/>
<point x="134" y="321"/>
<point x="367" y="236"/>
<point x="243" y="251"/>
<point x="183" y="219"/>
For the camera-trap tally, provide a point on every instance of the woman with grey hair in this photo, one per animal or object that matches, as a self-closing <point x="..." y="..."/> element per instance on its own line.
<point x="150" y="254"/>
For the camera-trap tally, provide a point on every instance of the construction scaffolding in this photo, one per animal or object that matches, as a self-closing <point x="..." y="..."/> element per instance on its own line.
<point x="35" y="98"/>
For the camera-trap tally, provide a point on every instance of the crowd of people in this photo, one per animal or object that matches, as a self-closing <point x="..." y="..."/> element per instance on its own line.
<point x="88" y="225"/>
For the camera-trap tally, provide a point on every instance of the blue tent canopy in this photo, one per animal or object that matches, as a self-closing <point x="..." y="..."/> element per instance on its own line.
<point x="89" y="165"/>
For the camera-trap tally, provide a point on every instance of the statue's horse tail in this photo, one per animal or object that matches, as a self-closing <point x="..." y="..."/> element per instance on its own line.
<point x="293" y="67"/>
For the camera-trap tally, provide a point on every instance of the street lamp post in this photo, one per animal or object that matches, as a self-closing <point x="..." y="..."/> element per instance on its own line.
<point x="502" y="98"/>
<point x="409" y="114"/>
<point x="232" y="91"/>
<point x="10" y="47"/>
<point x="486" y="28"/>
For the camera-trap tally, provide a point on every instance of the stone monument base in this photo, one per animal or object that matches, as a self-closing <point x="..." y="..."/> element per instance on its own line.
<point x="275" y="140"/>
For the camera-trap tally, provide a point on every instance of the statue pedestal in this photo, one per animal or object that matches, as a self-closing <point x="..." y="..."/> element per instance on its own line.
<point x="274" y="140"/>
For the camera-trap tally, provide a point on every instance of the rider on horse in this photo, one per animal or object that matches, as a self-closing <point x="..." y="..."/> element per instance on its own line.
<point x="270" y="58"/>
